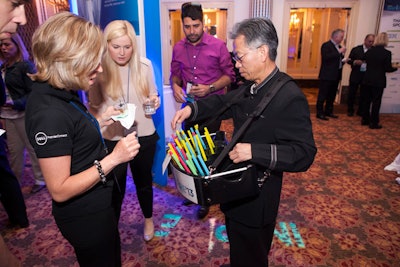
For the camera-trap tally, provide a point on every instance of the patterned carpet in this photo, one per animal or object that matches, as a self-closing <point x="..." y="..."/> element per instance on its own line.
<point x="344" y="211"/>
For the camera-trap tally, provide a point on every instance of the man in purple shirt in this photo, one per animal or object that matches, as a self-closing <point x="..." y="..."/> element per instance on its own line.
<point x="201" y="65"/>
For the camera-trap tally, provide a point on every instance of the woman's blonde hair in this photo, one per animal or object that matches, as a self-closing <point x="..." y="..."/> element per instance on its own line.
<point x="381" y="39"/>
<point x="110" y="78"/>
<point x="67" y="49"/>
<point x="22" y="53"/>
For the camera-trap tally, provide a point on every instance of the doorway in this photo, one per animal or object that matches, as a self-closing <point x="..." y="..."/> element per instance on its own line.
<point x="214" y="20"/>
<point x="218" y="22"/>
<point x="308" y="29"/>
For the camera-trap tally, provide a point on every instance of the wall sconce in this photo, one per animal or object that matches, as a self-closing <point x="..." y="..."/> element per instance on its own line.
<point x="294" y="21"/>
<point x="61" y="5"/>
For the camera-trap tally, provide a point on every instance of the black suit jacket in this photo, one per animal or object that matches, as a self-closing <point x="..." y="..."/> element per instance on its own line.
<point x="379" y="61"/>
<point x="357" y="53"/>
<point x="330" y="61"/>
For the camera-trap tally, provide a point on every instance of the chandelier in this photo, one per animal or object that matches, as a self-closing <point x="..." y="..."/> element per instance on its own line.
<point x="60" y="4"/>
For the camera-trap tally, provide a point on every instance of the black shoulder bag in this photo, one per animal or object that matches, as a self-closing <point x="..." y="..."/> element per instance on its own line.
<point x="230" y="184"/>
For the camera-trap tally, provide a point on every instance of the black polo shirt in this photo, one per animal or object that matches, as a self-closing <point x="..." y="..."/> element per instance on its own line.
<point x="58" y="124"/>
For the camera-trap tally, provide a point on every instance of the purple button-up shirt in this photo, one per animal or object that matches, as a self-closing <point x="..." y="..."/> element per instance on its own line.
<point x="203" y="63"/>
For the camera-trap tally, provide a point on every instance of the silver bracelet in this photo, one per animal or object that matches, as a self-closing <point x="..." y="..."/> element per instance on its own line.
<point x="103" y="177"/>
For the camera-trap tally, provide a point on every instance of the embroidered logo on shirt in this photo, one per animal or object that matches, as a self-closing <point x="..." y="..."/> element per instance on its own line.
<point x="41" y="138"/>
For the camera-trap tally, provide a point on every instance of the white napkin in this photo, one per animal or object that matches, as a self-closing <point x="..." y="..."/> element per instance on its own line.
<point x="126" y="118"/>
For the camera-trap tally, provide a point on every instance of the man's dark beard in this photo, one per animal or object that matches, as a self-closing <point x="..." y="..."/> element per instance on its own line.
<point x="194" y="41"/>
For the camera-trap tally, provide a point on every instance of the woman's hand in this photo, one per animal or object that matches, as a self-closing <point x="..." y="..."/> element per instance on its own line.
<point x="156" y="100"/>
<point x="105" y="118"/>
<point x="126" y="149"/>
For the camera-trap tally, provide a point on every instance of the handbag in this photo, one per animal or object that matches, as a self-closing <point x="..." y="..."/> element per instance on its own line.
<point x="227" y="181"/>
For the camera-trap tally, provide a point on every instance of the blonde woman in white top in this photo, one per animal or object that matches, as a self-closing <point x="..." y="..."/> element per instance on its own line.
<point x="128" y="78"/>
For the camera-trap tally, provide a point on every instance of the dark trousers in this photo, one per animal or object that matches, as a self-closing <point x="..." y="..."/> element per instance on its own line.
<point x="372" y="104"/>
<point x="118" y="174"/>
<point x="249" y="246"/>
<point x="326" y="95"/>
<point x="95" y="238"/>
<point x="10" y="191"/>
<point x="351" y="98"/>
<point x="141" y="168"/>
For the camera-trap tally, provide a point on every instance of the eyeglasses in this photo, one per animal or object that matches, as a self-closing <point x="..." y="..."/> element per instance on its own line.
<point x="237" y="58"/>
<point x="240" y="59"/>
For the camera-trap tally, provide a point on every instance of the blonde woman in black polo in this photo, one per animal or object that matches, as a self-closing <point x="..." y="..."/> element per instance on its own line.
<point x="67" y="140"/>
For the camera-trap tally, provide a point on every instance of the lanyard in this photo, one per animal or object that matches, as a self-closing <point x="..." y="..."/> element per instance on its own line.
<point x="92" y="120"/>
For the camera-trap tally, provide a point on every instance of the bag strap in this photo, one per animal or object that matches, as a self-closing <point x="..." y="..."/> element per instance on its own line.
<point x="278" y="83"/>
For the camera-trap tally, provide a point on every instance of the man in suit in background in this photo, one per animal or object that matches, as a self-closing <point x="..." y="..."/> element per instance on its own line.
<point x="330" y="74"/>
<point x="358" y="68"/>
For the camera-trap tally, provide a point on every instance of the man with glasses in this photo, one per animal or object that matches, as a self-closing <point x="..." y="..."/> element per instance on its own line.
<point x="279" y="140"/>
<point x="201" y="66"/>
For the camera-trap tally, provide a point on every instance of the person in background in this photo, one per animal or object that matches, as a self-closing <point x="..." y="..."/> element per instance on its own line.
<point x="201" y="66"/>
<point x="379" y="61"/>
<point x="10" y="190"/>
<point x="128" y="78"/>
<point x="15" y="69"/>
<point x="67" y="139"/>
<point x="395" y="167"/>
<point x="358" y="68"/>
<point x="12" y="14"/>
<point x="280" y="140"/>
<point x="330" y="74"/>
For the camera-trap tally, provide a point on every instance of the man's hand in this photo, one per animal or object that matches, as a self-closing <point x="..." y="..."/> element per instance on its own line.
<point x="179" y="94"/>
<point x="200" y="90"/>
<point x="240" y="152"/>
<point x="180" y="116"/>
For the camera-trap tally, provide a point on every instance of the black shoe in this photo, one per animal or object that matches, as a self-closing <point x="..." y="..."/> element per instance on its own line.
<point x="36" y="188"/>
<point x="202" y="212"/>
<point x="187" y="202"/>
<point x="332" y="116"/>
<point x="350" y="114"/>
<point x="375" y="126"/>
<point x="17" y="225"/>
<point x="322" y="117"/>
<point x="364" y="122"/>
